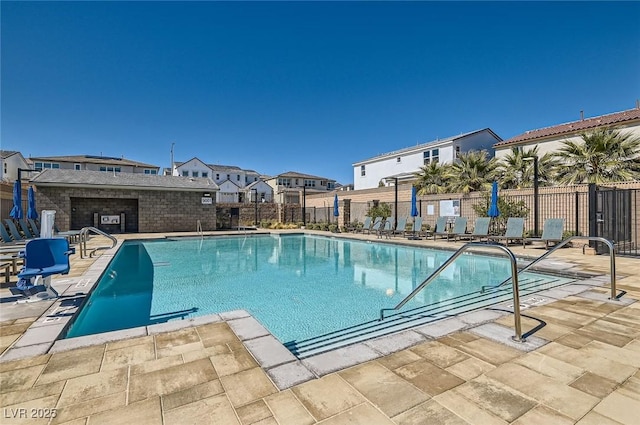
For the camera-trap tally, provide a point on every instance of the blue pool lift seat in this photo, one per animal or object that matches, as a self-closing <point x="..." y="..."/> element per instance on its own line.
<point x="45" y="257"/>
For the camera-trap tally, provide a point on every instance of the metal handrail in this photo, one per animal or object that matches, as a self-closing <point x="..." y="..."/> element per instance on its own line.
<point x="514" y="275"/>
<point x="612" y="254"/>
<point x="84" y="232"/>
<point x="199" y="228"/>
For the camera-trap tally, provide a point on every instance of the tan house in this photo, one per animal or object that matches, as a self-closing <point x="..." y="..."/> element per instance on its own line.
<point x="288" y="187"/>
<point x="549" y="139"/>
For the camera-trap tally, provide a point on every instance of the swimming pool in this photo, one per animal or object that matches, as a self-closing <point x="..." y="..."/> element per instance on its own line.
<point x="297" y="286"/>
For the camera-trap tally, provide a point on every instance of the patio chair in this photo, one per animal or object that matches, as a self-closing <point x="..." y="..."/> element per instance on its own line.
<point x="481" y="229"/>
<point x="375" y="227"/>
<point x="44" y="257"/>
<point x="441" y="228"/>
<point x="459" y="228"/>
<point x="386" y="229"/>
<point x="514" y="231"/>
<point x="34" y="227"/>
<point x="5" y="236"/>
<point x="552" y="230"/>
<point x="25" y="229"/>
<point x="401" y="227"/>
<point x="417" y="228"/>
<point x="365" y="225"/>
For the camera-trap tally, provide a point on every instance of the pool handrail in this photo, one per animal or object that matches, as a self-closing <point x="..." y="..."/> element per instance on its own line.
<point x="514" y="276"/>
<point x="612" y="254"/>
<point x="84" y="232"/>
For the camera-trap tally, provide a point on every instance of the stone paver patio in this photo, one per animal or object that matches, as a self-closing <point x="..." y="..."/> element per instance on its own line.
<point x="586" y="372"/>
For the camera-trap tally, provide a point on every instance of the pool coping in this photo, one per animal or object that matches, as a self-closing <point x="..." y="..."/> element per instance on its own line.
<point x="283" y="367"/>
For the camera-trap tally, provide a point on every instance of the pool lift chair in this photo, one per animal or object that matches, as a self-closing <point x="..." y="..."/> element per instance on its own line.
<point x="43" y="258"/>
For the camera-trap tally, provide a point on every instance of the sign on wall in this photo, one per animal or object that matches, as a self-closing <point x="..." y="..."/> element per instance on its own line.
<point x="450" y="207"/>
<point x="109" y="219"/>
<point x="206" y="201"/>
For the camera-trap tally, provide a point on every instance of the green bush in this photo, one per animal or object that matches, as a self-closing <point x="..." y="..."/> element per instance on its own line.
<point x="381" y="210"/>
<point x="333" y="228"/>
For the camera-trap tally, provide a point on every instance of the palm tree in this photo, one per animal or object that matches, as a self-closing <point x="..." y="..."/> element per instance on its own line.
<point x="516" y="168"/>
<point x="604" y="155"/>
<point x="432" y="178"/>
<point x="472" y="172"/>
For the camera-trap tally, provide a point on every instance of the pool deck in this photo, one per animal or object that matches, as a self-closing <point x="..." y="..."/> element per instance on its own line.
<point x="581" y="364"/>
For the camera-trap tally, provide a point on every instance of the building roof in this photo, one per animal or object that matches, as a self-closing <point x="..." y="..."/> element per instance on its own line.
<point x="7" y="154"/>
<point x="297" y="175"/>
<point x="75" y="178"/>
<point x="93" y="159"/>
<point x="575" y="126"/>
<point x="426" y="145"/>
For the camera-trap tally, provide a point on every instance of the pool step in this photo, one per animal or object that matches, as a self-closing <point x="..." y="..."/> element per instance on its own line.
<point x="409" y="319"/>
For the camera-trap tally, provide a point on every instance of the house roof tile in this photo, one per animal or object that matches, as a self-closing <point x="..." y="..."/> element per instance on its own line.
<point x="575" y="126"/>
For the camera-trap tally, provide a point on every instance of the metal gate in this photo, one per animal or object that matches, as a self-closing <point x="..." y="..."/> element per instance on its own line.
<point x="614" y="216"/>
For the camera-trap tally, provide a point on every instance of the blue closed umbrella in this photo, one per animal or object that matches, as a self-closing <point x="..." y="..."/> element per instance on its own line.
<point x="16" y="211"/>
<point x="493" y="207"/>
<point x="32" y="212"/>
<point x="336" y="212"/>
<point x="414" y="206"/>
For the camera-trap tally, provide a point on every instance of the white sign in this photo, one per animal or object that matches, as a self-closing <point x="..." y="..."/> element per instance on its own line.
<point x="206" y="200"/>
<point x="430" y="210"/>
<point x="450" y="208"/>
<point x="109" y="219"/>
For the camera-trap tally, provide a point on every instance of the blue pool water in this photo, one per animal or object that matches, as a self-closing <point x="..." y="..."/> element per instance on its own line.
<point x="298" y="286"/>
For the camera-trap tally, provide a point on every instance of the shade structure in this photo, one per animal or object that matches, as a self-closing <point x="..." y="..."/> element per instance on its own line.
<point x="493" y="206"/>
<point x="16" y="211"/>
<point x="414" y="206"/>
<point x="32" y="212"/>
<point x="336" y="211"/>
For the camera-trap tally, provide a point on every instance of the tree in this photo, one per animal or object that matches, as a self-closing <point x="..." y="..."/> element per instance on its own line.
<point x="472" y="172"/>
<point x="516" y="168"/>
<point x="604" y="155"/>
<point x="432" y="178"/>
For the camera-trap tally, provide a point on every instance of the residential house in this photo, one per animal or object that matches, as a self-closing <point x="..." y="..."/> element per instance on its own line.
<point x="258" y="191"/>
<point x="288" y="188"/>
<point x="108" y="164"/>
<point x="402" y="164"/>
<point x="10" y="163"/>
<point x="550" y="139"/>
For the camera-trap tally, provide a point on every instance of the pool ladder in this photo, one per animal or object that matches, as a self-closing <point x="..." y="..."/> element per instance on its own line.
<point x="514" y="275"/>
<point x="84" y="237"/>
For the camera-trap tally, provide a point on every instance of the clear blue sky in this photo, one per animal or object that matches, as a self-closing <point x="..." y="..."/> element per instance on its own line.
<point x="309" y="87"/>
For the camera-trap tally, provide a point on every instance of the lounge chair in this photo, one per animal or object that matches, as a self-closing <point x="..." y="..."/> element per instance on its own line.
<point x="459" y="228"/>
<point x="5" y="236"/>
<point x="481" y="228"/>
<point x="441" y="228"/>
<point x="386" y="229"/>
<point x="514" y="231"/>
<point x="365" y="225"/>
<point x="416" y="229"/>
<point x="375" y="227"/>
<point x="25" y="229"/>
<point x="552" y="230"/>
<point x="15" y="233"/>
<point x="34" y="227"/>
<point x="401" y="227"/>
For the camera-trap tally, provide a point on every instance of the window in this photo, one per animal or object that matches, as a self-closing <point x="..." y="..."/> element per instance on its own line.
<point x="255" y="179"/>
<point x="149" y="171"/>
<point x="205" y="174"/>
<point x="194" y="174"/>
<point x="284" y="182"/>
<point x="330" y="186"/>
<point x="185" y="174"/>
<point x="228" y="176"/>
<point x="435" y="155"/>
<point x="103" y="168"/>
<point x="238" y="177"/>
<point x="398" y="160"/>
<point x="310" y="183"/>
<point x="117" y="169"/>
<point x="4" y="166"/>
<point x="217" y="176"/>
<point x="77" y="167"/>
<point x="297" y="182"/>
<point x="426" y="158"/>
<point x="363" y="172"/>
<point x="457" y="151"/>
